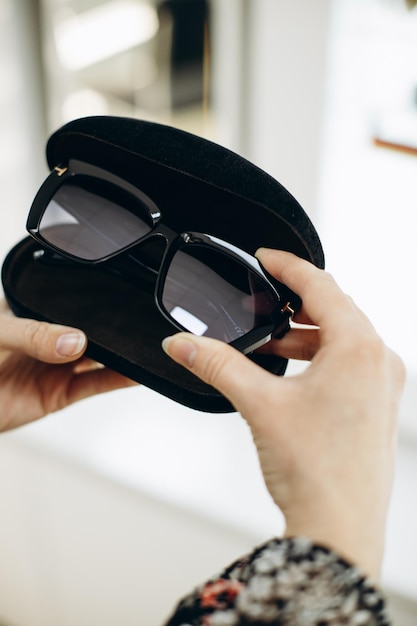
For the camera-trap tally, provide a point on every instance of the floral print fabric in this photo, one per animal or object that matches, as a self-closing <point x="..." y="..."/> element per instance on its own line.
<point x="285" y="582"/>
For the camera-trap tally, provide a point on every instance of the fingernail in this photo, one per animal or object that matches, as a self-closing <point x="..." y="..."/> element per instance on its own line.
<point x="260" y="251"/>
<point x="70" y="344"/>
<point x="180" y="349"/>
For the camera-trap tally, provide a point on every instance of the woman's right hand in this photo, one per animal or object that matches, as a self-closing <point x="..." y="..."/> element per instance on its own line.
<point x="326" y="437"/>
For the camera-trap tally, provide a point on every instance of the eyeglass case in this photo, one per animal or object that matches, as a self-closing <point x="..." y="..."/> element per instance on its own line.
<point x="198" y="186"/>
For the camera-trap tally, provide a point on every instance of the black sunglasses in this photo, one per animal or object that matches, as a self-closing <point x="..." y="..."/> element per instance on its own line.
<point x="204" y="284"/>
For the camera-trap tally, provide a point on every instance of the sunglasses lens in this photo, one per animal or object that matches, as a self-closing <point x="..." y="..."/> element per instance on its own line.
<point x="91" y="219"/>
<point x="210" y="293"/>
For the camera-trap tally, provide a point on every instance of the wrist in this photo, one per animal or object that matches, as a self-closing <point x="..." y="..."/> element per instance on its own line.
<point x="359" y="544"/>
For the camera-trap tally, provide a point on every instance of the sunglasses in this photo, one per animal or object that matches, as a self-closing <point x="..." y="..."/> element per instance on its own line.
<point x="203" y="284"/>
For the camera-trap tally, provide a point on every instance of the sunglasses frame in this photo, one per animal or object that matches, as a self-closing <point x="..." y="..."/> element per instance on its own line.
<point x="287" y="301"/>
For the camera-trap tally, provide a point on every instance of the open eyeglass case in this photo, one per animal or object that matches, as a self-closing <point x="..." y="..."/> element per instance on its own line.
<point x="198" y="186"/>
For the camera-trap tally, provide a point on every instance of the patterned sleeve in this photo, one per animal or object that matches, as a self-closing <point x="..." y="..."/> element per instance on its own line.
<point x="285" y="582"/>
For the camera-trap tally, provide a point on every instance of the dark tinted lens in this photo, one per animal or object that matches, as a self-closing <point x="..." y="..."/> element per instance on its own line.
<point x="92" y="219"/>
<point x="212" y="294"/>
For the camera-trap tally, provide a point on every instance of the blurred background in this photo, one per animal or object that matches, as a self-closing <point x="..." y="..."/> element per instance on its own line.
<point x="112" y="509"/>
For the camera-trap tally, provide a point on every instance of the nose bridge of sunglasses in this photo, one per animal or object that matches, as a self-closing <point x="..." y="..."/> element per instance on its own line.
<point x="150" y="251"/>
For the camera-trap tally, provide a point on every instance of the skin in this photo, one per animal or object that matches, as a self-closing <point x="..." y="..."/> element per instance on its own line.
<point x="42" y="370"/>
<point x="326" y="438"/>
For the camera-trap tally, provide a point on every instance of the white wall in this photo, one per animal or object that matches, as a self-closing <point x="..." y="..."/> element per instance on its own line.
<point x="286" y="90"/>
<point x="22" y="160"/>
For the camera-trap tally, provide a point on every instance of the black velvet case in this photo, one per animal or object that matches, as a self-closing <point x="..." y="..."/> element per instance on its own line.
<point x="198" y="186"/>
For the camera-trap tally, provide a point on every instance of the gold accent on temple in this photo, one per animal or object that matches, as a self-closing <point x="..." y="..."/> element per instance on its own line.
<point x="288" y="309"/>
<point x="60" y="170"/>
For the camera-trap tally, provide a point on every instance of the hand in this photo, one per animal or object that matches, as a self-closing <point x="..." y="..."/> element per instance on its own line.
<point x="326" y="437"/>
<point x="42" y="369"/>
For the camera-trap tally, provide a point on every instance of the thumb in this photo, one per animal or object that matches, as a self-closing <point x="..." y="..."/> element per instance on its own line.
<point x="216" y="363"/>
<point x="51" y="343"/>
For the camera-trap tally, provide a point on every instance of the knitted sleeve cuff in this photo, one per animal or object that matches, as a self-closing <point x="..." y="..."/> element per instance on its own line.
<point x="285" y="582"/>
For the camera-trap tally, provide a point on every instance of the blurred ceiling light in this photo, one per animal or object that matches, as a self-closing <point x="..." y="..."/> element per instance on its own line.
<point x="109" y="29"/>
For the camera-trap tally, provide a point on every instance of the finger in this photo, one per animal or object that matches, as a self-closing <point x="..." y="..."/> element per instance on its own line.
<point x="86" y="365"/>
<point x="4" y="307"/>
<point x="51" y="343"/>
<point x="218" y="364"/>
<point x="93" y="382"/>
<point x="300" y="344"/>
<point x="324" y="303"/>
<point x="301" y="317"/>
